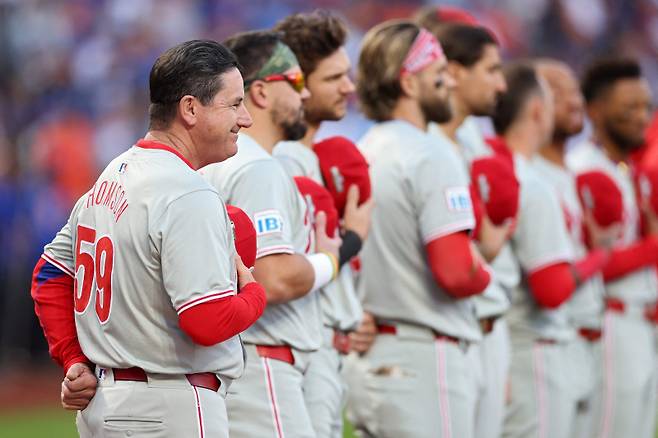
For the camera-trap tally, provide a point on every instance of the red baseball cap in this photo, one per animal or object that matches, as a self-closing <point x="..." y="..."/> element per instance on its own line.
<point x="496" y="186"/>
<point x="599" y="194"/>
<point x="342" y="165"/>
<point x="318" y="199"/>
<point x="451" y="14"/>
<point x="245" y="235"/>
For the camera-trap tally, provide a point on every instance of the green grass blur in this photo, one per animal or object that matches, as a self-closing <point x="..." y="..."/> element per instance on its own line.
<point x="52" y="423"/>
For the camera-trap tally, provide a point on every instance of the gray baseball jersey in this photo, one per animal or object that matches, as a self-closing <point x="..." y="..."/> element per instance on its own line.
<point x="540" y="239"/>
<point x="421" y="193"/>
<point x="494" y="300"/>
<point x="150" y="240"/>
<point x="585" y="307"/>
<point x="257" y="183"/>
<point x="639" y="287"/>
<point x="341" y="308"/>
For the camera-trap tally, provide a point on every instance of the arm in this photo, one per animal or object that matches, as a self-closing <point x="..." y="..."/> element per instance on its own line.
<point x="554" y="284"/>
<point x="216" y="321"/>
<point x="456" y="267"/>
<point x="625" y="260"/>
<point x="286" y="277"/>
<point x="52" y="292"/>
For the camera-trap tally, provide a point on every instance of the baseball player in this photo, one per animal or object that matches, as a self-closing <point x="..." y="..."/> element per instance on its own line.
<point x="585" y="309"/>
<point x="317" y="39"/>
<point x="541" y="403"/>
<point x="152" y="263"/>
<point x="618" y="101"/>
<point x="293" y="263"/>
<point x="419" y="267"/>
<point x="474" y="61"/>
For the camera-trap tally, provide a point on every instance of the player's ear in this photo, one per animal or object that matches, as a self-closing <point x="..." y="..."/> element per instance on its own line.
<point x="188" y="107"/>
<point x="455" y="70"/>
<point x="410" y="85"/>
<point x="258" y="94"/>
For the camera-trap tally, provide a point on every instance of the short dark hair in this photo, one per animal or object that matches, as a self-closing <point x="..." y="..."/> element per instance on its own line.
<point x="603" y="73"/>
<point x="463" y="43"/>
<point x="522" y="82"/>
<point x="192" y="68"/>
<point x="253" y="49"/>
<point x="312" y="37"/>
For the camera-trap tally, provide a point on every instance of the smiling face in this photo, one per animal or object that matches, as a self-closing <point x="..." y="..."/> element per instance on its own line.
<point x="330" y="86"/>
<point x="220" y="121"/>
<point x="569" y="105"/>
<point x="624" y="112"/>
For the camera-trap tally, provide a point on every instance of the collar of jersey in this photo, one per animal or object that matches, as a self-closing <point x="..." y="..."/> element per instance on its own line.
<point x="149" y="144"/>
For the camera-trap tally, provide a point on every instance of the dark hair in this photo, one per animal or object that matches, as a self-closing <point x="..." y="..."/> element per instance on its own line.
<point x="522" y="83"/>
<point x="312" y="37"/>
<point x="603" y="73"/>
<point x="253" y="49"/>
<point x="192" y="68"/>
<point x="463" y="43"/>
<point x="383" y="51"/>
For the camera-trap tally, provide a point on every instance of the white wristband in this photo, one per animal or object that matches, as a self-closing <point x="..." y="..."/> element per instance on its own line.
<point x="323" y="268"/>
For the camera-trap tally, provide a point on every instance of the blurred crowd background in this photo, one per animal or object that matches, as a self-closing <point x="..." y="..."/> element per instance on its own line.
<point x="74" y="93"/>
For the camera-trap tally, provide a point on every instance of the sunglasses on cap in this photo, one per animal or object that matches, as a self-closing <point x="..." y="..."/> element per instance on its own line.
<point x="296" y="80"/>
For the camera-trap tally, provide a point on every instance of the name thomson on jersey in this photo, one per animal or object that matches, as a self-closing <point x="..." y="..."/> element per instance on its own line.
<point x="110" y="195"/>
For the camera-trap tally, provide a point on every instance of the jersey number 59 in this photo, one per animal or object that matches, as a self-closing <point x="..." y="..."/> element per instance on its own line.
<point x="94" y="265"/>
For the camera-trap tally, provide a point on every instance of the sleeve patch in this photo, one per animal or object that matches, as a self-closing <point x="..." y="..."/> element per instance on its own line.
<point x="458" y="199"/>
<point x="268" y="222"/>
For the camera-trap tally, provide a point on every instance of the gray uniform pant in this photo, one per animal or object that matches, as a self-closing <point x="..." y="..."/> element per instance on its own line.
<point x="268" y="400"/>
<point x="163" y="407"/>
<point x="412" y="385"/>
<point x="324" y="389"/>
<point x="628" y="393"/>
<point x="495" y="357"/>
<point x="543" y="403"/>
<point x="585" y="357"/>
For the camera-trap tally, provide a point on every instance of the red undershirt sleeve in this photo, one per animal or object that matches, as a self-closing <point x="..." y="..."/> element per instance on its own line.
<point x="453" y="266"/>
<point x="554" y="284"/>
<point x="216" y="321"/>
<point x="623" y="261"/>
<point x="52" y="292"/>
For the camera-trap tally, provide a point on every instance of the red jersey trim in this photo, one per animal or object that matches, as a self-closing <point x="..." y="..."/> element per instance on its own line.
<point x="205" y="299"/>
<point x="278" y="249"/>
<point x="149" y="144"/>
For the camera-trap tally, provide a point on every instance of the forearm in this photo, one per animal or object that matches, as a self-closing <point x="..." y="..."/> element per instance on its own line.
<point x="455" y="268"/>
<point x="52" y="292"/>
<point x="284" y="277"/>
<point x="216" y="321"/>
<point x="623" y="261"/>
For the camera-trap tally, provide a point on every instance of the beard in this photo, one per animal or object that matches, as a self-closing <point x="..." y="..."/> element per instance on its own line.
<point x="436" y="109"/>
<point x="315" y="114"/>
<point x="624" y="142"/>
<point x="292" y="123"/>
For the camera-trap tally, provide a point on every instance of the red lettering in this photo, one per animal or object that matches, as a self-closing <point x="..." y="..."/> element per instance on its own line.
<point x="109" y="194"/>
<point x="90" y="197"/>
<point x="121" y="210"/>
<point x="101" y="192"/>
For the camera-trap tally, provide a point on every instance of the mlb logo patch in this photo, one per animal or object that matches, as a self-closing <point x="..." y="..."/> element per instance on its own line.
<point x="268" y="222"/>
<point x="458" y="199"/>
<point x="123" y="167"/>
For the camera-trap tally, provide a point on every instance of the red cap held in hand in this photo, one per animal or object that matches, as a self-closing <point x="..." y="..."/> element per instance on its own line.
<point x="496" y="186"/>
<point x="342" y="165"/>
<point x="599" y="194"/>
<point x="318" y="199"/>
<point x="245" y="235"/>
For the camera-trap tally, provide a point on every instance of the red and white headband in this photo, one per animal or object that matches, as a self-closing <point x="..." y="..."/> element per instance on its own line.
<point x="424" y="51"/>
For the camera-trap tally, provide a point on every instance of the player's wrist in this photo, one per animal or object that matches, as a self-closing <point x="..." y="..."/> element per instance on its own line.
<point x="325" y="268"/>
<point x="78" y="359"/>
